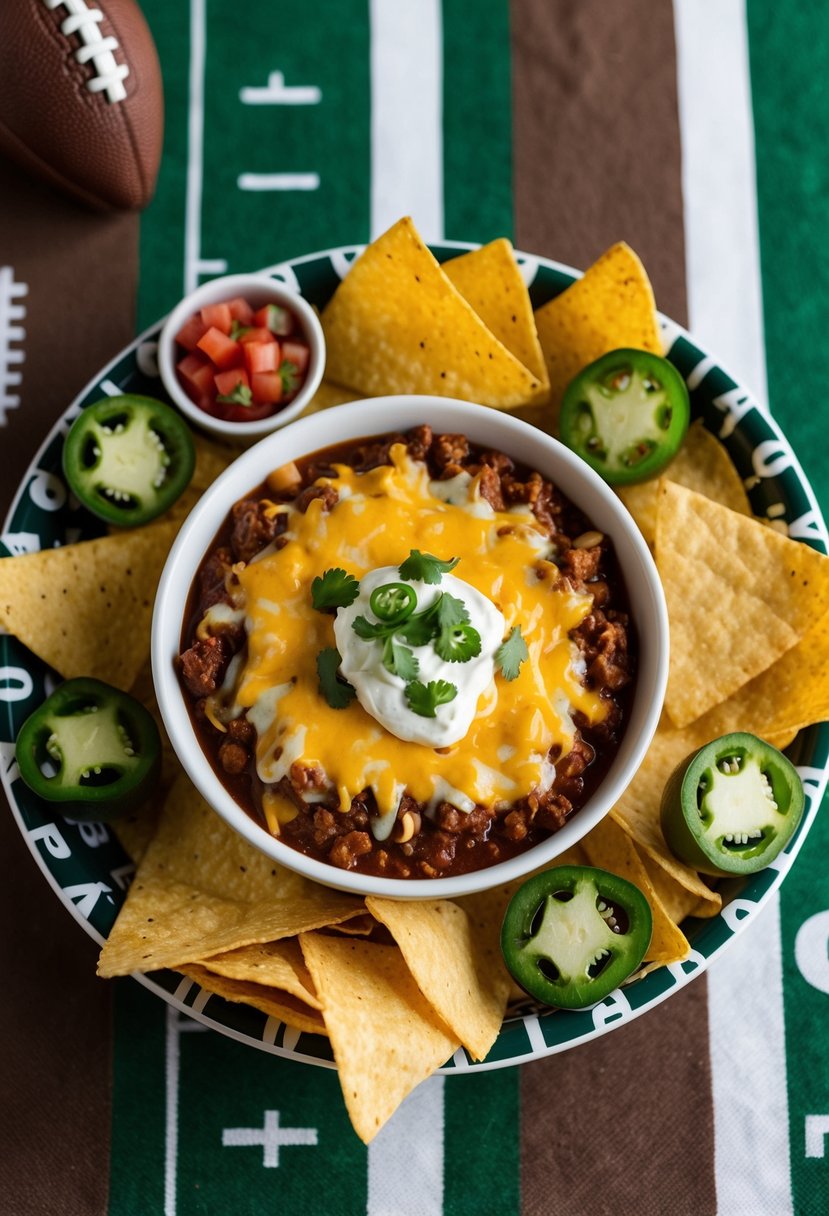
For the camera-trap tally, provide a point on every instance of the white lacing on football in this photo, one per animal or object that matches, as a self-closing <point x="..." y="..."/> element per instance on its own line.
<point x="108" y="75"/>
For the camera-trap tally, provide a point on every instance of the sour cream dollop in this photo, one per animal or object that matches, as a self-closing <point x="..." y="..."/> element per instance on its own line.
<point x="382" y="694"/>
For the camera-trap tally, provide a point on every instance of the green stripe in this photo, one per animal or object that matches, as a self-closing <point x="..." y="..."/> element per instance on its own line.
<point x="481" y="1125"/>
<point x="789" y="50"/>
<point x="477" y="120"/>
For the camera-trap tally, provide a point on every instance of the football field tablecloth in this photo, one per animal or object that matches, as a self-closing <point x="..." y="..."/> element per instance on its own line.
<point x="696" y="133"/>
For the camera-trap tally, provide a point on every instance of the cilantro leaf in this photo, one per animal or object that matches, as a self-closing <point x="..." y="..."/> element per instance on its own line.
<point x="399" y="660"/>
<point x="458" y="644"/>
<point x="337" y="692"/>
<point x="424" y="699"/>
<point x="241" y="395"/>
<point x="237" y="329"/>
<point x="451" y="612"/>
<point x="511" y="654"/>
<point x="425" y="567"/>
<point x="419" y="629"/>
<point x="289" y="374"/>
<point x="364" y="628"/>
<point x="334" y="589"/>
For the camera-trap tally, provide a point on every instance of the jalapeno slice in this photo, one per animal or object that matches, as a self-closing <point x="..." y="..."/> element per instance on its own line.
<point x="572" y="934"/>
<point x="626" y="414"/>
<point x="731" y="806"/>
<point x="92" y="748"/>
<point x="393" y="603"/>
<point x="128" y="459"/>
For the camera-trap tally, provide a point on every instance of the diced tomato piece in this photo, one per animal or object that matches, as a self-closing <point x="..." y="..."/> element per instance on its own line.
<point x="277" y="319"/>
<point x="227" y="381"/>
<point x="220" y="348"/>
<point x="217" y="316"/>
<point x="267" y="387"/>
<point x="262" y="356"/>
<point x="190" y="332"/>
<point x="196" y="375"/>
<point x="241" y="311"/>
<point x="256" y="335"/>
<point x="298" y="354"/>
<point x="244" y="413"/>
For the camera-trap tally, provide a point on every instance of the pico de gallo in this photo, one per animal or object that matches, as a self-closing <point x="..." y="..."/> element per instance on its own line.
<point x="242" y="364"/>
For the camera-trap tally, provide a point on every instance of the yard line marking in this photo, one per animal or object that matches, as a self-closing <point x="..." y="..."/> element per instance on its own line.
<point x="171" y="1111"/>
<point x="211" y="266"/>
<point x="271" y="1136"/>
<point x="409" y="1146"/>
<point x="407" y="115"/>
<point x="278" y="181"/>
<point x="722" y="243"/>
<point x="195" y="146"/>
<point x="277" y="93"/>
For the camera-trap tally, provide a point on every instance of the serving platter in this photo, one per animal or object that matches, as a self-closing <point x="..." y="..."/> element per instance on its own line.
<point x="90" y="872"/>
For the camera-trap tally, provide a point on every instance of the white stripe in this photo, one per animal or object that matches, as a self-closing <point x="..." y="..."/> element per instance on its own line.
<point x="407" y="115"/>
<point x="195" y="146"/>
<point x="725" y="300"/>
<point x="278" y="181"/>
<point x="405" y="1158"/>
<point x="745" y="986"/>
<point x="171" y="1128"/>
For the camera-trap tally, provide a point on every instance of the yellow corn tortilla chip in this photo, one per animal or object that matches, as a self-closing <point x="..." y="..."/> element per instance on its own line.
<point x="276" y="1004"/>
<point x="702" y="464"/>
<point x="610" y="848"/>
<point x="397" y="325"/>
<point x="270" y="964"/>
<point x="329" y="394"/>
<point x="61" y="603"/>
<point x="739" y="595"/>
<point x="610" y="306"/>
<point x="202" y="890"/>
<point x="364" y="986"/>
<point x="675" y="899"/>
<point x="438" y="943"/>
<point x="490" y="281"/>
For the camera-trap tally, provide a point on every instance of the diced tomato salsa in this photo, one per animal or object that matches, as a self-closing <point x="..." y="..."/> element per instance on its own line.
<point x="241" y="364"/>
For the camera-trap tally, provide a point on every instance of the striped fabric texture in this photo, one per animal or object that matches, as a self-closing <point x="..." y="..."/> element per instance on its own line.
<point x="694" y="131"/>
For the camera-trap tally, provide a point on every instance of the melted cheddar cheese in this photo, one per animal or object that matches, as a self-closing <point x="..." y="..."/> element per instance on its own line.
<point x="380" y="517"/>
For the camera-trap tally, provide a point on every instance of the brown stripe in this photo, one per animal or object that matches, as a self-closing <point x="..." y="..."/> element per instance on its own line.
<point x="624" y="1124"/>
<point x="596" y="137"/>
<point x="81" y="270"/>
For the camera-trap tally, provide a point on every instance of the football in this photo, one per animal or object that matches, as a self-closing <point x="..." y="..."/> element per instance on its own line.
<point x="81" y="100"/>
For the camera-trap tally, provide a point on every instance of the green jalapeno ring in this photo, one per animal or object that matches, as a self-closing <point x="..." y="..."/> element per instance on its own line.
<point x="128" y="459"/>
<point x="732" y="805"/>
<point x="91" y="748"/>
<point x="572" y="934"/>
<point x="393" y="603"/>
<point x="626" y="414"/>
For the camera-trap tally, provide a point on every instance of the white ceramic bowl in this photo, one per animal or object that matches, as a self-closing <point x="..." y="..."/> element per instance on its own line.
<point x="258" y="290"/>
<point x="484" y="426"/>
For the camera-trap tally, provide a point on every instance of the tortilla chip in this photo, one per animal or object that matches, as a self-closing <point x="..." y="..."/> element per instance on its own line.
<point x="610" y="848"/>
<point x="329" y="394"/>
<point x="739" y="595"/>
<point x="275" y="1004"/>
<point x="202" y="890"/>
<point x="489" y="280"/>
<point x="702" y="464"/>
<point x="397" y="325"/>
<point x="438" y="943"/>
<point x="366" y="988"/>
<point x="675" y="899"/>
<point x="269" y="964"/>
<point x="61" y="603"/>
<point x="610" y="306"/>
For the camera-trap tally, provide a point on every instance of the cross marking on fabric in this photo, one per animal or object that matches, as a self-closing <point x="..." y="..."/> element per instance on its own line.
<point x="277" y="93"/>
<point x="816" y="1128"/>
<point x="271" y="1137"/>
<point x="12" y="313"/>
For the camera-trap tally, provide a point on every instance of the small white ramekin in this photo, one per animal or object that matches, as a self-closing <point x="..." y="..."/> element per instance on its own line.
<point x="489" y="428"/>
<point x="258" y="290"/>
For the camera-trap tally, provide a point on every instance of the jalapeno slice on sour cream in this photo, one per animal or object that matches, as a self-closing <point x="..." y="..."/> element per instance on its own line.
<point x="128" y="458"/>
<point x="572" y="934"/>
<point x="91" y="748"/>
<point x="626" y="414"/>
<point x="731" y="806"/>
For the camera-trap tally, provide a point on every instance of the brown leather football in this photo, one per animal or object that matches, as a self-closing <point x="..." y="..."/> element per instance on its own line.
<point x="81" y="100"/>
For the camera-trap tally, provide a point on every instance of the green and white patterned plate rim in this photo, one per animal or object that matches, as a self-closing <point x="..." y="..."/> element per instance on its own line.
<point x="89" y="870"/>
